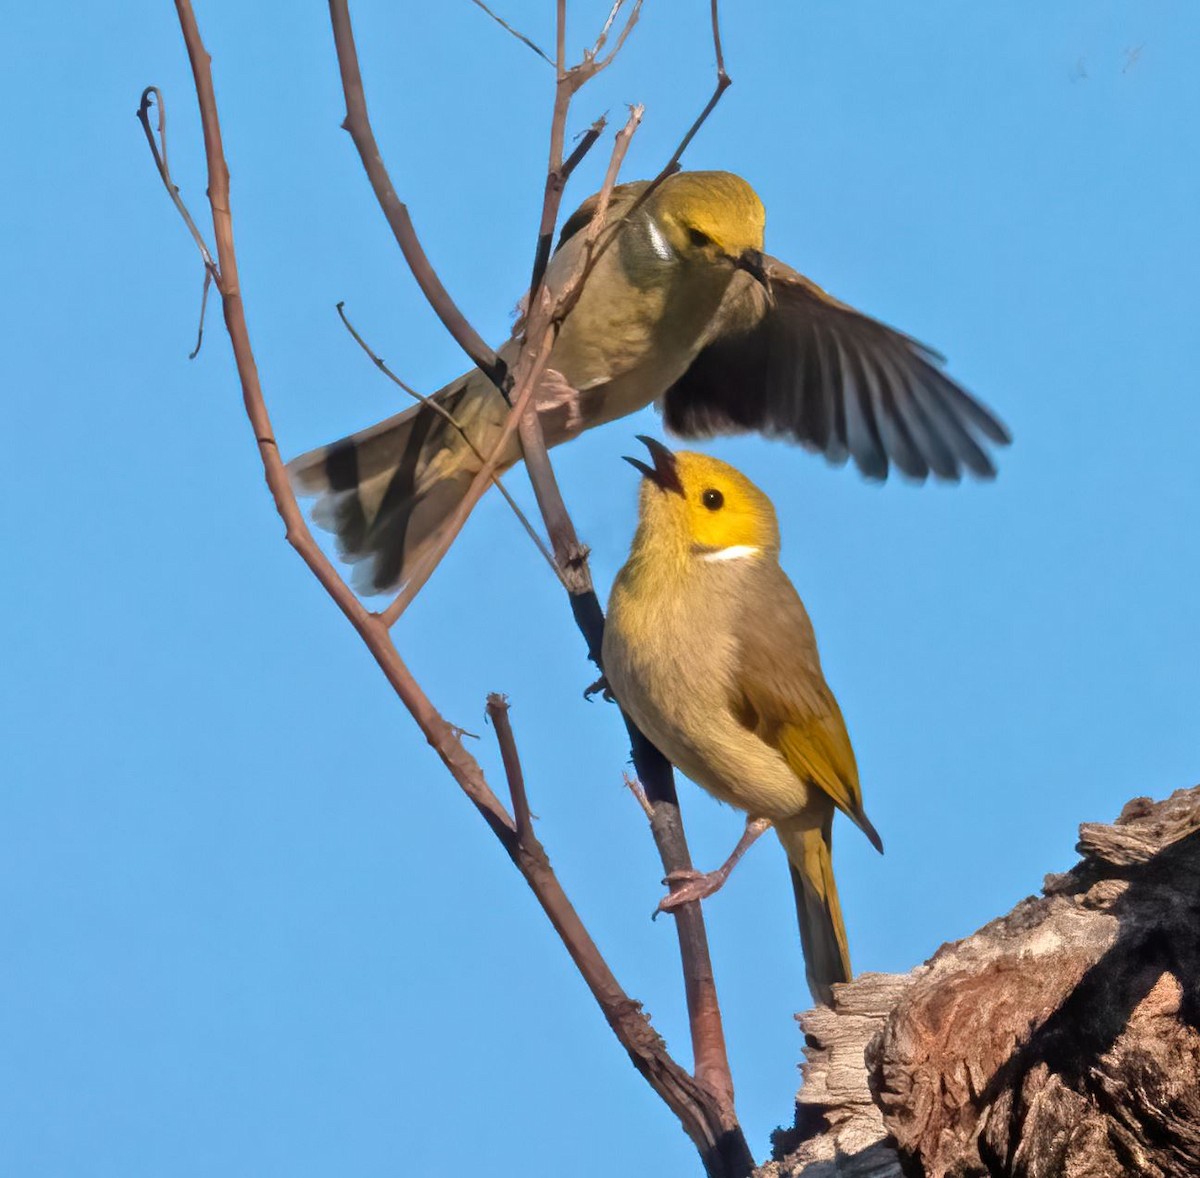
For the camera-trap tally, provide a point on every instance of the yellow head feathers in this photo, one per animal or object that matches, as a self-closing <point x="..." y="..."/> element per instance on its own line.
<point x="714" y="212"/>
<point x="702" y="508"/>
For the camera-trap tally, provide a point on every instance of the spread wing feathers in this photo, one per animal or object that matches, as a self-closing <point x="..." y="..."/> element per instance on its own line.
<point x="781" y="695"/>
<point x="800" y="364"/>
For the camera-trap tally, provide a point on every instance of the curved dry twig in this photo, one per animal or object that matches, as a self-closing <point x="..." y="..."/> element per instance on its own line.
<point x="158" y="149"/>
<point x="152" y="96"/>
<point x="515" y="32"/>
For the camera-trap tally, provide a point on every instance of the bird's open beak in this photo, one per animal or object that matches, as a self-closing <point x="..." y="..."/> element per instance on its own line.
<point x="664" y="474"/>
<point x="755" y="265"/>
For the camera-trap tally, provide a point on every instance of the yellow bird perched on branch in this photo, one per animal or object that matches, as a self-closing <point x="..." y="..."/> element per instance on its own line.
<point x="710" y="652"/>
<point x="682" y="308"/>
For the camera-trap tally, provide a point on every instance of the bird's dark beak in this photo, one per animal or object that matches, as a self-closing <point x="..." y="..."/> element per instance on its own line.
<point x="664" y="474"/>
<point x="753" y="262"/>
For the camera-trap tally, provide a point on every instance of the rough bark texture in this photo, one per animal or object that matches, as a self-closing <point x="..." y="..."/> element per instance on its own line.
<point x="1060" y="1041"/>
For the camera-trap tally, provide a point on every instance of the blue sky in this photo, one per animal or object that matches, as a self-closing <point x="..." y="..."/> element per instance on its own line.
<point x="249" y="925"/>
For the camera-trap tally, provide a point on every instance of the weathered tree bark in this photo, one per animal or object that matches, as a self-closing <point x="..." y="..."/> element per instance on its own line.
<point x="1060" y="1041"/>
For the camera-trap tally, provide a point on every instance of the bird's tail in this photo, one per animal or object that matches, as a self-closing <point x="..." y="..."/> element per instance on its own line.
<point x="386" y="491"/>
<point x="822" y="933"/>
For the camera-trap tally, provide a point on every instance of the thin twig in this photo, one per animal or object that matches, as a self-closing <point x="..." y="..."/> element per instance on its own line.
<point x="203" y="307"/>
<point x="621" y="143"/>
<point x="594" y="247"/>
<point x="158" y="149"/>
<point x="602" y="36"/>
<point x="444" y="413"/>
<point x="542" y="323"/>
<point x="631" y="20"/>
<point x="497" y="710"/>
<point x="556" y="182"/>
<point x="587" y="140"/>
<point x="724" y="81"/>
<point x="516" y="33"/>
<point x="570" y="555"/>
<point x="152" y="95"/>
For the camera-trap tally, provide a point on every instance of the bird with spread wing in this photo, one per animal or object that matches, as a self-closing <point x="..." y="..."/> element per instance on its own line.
<point x="680" y="307"/>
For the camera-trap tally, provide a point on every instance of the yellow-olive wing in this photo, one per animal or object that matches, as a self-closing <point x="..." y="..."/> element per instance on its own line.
<point x="781" y="695"/>
<point x="797" y="363"/>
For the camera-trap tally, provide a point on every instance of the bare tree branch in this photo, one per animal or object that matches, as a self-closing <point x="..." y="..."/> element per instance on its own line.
<point x="540" y="327"/>
<point x="441" y="735"/>
<point x="723" y="1153"/>
<point x="711" y="1059"/>
<point x="708" y="1041"/>
<point x="691" y="1102"/>
<point x="542" y="323"/>
<point x="703" y="1106"/>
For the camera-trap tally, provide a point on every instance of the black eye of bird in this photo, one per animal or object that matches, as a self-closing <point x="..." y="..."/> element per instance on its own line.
<point x="713" y="499"/>
<point x="699" y="239"/>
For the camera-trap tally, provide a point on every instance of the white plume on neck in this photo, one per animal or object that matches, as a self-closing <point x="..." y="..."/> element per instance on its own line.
<point x="733" y="552"/>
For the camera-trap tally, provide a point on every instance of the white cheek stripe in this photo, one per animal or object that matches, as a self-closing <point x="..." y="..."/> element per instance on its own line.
<point x="733" y="552"/>
<point x="658" y="243"/>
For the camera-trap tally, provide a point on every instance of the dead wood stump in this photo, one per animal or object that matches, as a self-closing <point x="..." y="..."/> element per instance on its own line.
<point x="1059" y="1041"/>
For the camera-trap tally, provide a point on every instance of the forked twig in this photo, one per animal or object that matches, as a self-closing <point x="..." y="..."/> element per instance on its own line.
<point x="592" y="56"/>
